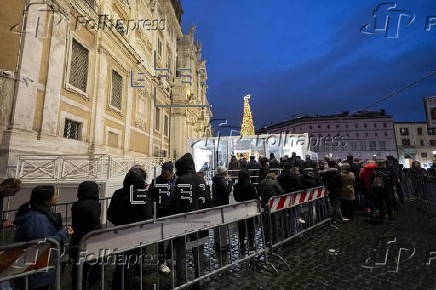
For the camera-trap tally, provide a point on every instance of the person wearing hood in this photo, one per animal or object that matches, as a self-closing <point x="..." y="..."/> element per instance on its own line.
<point x="123" y="211"/>
<point x="85" y="215"/>
<point x="331" y="178"/>
<point x="189" y="196"/>
<point x="36" y="220"/>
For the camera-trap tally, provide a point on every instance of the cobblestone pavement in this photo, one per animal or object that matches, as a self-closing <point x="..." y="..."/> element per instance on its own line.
<point x="350" y="256"/>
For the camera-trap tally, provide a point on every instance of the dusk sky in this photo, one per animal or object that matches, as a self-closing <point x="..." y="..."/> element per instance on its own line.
<point x="310" y="57"/>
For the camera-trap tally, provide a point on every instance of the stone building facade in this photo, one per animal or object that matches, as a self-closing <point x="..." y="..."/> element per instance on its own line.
<point x="415" y="142"/>
<point x="365" y="135"/>
<point x="83" y="77"/>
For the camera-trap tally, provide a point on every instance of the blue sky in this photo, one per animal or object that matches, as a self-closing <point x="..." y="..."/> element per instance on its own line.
<point x="298" y="57"/>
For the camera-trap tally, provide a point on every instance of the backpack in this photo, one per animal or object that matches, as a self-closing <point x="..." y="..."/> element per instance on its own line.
<point x="378" y="181"/>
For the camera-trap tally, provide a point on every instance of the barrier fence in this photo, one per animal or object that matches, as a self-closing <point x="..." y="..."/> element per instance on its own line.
<point x="194" y="245"/>
<point x="213" y="235"/>
<point x="420" y="187"/>
<point x="19" y="262"/>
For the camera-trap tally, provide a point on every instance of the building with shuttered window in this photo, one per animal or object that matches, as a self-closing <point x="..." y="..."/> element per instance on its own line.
<point x="84" y="76"/>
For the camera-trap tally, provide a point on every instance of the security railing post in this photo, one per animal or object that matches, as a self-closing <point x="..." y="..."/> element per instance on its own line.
<point x="58" y="268"/>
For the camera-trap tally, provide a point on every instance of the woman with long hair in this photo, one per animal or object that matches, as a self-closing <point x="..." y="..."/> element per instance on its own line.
<point x="36" y="220"/>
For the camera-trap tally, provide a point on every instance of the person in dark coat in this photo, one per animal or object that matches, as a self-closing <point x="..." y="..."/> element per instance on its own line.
<point x="244" y="190"/>
<point x="221" y="187"/>
<point x="309" y="163"/>
<point x="253" y="167"/>
<point x="161" y="191"/>
<point x="243" y="162"/>
<point x="383" y="192"/>
<point x="310" y="179"/>
<point x="269" y="187"/>
<point x="264" y="169"/>
<point x="293" y="161"/>
<point x="332" y="180"/>
<point x="289" y="179"/>
<point x="85" y="215"/>
<point x="234" y="166"/>
<point x="188" y="197"/>
<point x="273" y="162"/>
<point x="123" y="211"/>
<point x="36" y="220"/>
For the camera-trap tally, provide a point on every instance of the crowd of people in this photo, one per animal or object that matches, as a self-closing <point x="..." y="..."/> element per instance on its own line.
<point x="372" y="186"/>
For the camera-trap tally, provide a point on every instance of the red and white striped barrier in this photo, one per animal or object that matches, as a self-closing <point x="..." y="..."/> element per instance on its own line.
<point x="292" y="199"/>
<point x="22" y="259"/>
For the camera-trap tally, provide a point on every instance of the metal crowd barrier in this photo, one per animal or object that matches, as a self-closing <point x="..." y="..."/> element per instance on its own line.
<point x="19" y="262"/>
<point x="420" y="187"/>
<point x="215" y="237"/>
<point x="291" y="214"/>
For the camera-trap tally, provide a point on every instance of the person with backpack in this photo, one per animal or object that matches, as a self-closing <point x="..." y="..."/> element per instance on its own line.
<point x="37" y="220"/>
<point x="85" y="215"/>
<point x="122" y="211"/>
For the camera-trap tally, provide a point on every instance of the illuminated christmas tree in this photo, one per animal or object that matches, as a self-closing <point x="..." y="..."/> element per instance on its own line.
<point x="247" y="127"/>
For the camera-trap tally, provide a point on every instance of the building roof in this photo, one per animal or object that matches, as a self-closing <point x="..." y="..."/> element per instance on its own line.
<point x="342" y="116"/>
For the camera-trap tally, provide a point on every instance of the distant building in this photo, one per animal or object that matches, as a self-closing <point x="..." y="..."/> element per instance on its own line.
<point x="415" y="142"/>
<point x="365" y="135"/>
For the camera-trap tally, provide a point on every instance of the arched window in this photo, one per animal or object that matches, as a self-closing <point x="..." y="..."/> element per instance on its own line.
<point x="433" y="113"/>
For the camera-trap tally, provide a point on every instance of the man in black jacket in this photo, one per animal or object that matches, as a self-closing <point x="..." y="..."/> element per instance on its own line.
<point x="129" y="204"/>
<point x="331" y="178"/>
<point x="189" y="196"/>
<point x="85" y="215"/>
<point x="244" y="190"/>
<point x="289" y="179"/>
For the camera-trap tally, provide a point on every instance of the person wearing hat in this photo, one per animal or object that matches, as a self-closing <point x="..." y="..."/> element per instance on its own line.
<point x="162" y="190"/>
